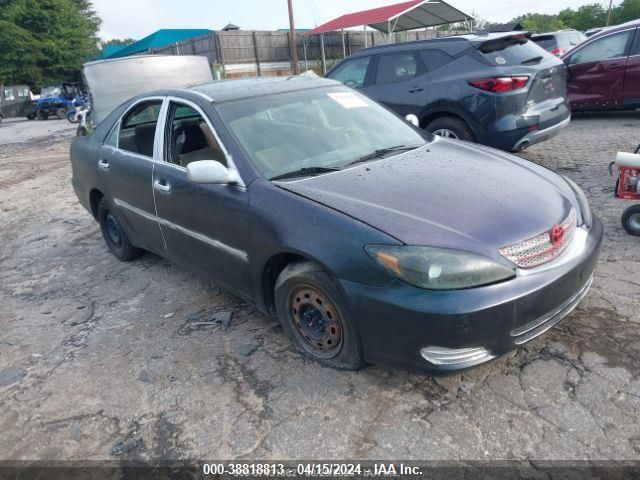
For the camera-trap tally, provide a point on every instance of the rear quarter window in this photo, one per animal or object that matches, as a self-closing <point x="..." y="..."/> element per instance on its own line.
<point x="434" y="59"/>
<point x="510" y="53"/>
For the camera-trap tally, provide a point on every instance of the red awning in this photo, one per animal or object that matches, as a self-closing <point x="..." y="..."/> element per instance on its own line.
<point x="399" y="16"/>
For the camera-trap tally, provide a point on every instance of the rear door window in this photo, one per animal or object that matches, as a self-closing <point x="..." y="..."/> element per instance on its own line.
<point x="352" y="72"/>
<point x="138" y="129"/>
<point x="509" y="51"/>
<point x="434" y="59"/>
<point x="605" y="48"/>
<point x="397" y="67"/>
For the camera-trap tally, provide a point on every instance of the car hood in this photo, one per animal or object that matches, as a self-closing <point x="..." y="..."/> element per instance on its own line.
<point x="447" y="193"/>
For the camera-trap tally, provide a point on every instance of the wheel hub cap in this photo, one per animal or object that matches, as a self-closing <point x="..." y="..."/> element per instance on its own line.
<point x="444" y="132"/>
<point x="634" y="221"/>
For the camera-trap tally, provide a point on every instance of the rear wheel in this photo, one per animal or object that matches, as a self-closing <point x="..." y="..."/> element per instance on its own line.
<point x="450" y="127"/>
<point x="114" y="234"/>
<point x="316" y="317"/>
<point x="42" y="115"/>
<point x="631" y="220"/>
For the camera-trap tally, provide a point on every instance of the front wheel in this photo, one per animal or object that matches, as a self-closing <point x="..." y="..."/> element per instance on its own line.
<point x="450" y="127"/>
<point x="42" y="115"/>
<point x="631" y="220"/>
<point x="61" y="113"/>
<point x="114" y="234"/>
<point x="316" y="317"/>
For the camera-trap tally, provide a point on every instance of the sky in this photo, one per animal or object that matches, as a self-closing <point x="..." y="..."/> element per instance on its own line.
<point x="138" y="18"/>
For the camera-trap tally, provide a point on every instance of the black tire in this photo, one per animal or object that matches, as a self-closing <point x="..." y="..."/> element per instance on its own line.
<point x="454" y="125"/>
<point x="114" y="234"/>
<point x="42" y="115"/>
<point x="61" y="113"/>
<point x="31" y="116"/>
<point x="631" y="220"/>
<point x="316" y="317"/>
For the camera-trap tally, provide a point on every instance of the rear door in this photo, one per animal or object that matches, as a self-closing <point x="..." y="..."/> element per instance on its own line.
<point x="632" y="75"/>
<point x="597" y="71"/>
<point x="125" y="165"/>
<point x="398" y="82"/>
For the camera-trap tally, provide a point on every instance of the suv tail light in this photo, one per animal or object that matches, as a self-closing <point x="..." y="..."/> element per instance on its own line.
<point x="500" y="84"/>
<point x="558" y="52"/>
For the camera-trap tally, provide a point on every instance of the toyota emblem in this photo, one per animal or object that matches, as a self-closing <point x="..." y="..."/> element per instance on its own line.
<point x="556" y="235"/>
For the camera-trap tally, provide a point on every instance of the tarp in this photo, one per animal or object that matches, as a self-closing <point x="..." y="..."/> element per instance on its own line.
<point x="398" y="17"/>
<point x="159" y="39"/>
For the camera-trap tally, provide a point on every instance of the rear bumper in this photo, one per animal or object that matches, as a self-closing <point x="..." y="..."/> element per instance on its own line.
<point x="538" y="136"/>
<point x="446" y="331"/>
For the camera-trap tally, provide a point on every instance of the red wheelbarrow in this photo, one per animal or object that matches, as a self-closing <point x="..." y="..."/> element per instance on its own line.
<point x="628" y="187"/>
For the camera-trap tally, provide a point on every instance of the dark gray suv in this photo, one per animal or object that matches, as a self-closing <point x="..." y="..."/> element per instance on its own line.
<point x="500" y="90"/>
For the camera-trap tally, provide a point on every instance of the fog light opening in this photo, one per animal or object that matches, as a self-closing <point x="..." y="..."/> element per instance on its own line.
<point x="456" y="356"/>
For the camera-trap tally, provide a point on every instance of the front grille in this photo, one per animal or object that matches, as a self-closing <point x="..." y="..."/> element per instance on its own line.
<point x="540" y="249"/>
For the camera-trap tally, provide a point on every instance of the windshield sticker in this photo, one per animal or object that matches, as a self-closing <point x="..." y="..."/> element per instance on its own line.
<point x="500" y="60"/>
<point x="348" y="99"/>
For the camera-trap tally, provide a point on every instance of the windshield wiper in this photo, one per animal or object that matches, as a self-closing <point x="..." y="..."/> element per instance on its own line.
<point x="305" y="171"/>
<point x="532" y="60"/>
<point x="381" y="152"/>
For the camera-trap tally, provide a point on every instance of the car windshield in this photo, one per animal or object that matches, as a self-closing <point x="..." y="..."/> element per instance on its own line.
<point x="50" y="92"/>
<point x="315" y="131"/>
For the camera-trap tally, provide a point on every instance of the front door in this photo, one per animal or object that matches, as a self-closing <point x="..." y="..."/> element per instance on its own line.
<point x="204" y="226"/>
<point x="597" y="70"/>
<point x="126" y="167"/>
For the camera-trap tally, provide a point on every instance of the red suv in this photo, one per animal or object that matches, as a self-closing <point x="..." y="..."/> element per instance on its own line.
<point x="604" y="71"/>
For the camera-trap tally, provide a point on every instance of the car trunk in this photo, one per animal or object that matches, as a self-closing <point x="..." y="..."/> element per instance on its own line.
<point x="515" y="55"/>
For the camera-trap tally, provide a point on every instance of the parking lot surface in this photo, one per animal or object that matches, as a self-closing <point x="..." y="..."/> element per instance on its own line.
<point x="101" y="359"/>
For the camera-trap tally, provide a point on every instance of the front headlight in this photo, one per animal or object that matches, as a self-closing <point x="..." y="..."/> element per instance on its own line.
<point x="585" y="209"/>
<point x="439" y="268"/>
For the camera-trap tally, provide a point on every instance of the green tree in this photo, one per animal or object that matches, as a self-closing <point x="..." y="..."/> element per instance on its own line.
<point x="119" y="41"/>
<point x="19" y="56"/>
<point x="585" y="17"/>
<point x="60" y="34"/>
<point x="626" y="11"/>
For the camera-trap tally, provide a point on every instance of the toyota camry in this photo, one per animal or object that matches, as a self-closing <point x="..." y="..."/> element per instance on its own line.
<point x="369" y="239"/>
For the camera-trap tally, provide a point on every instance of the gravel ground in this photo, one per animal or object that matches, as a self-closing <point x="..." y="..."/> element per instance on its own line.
<point x="98" y="359"/>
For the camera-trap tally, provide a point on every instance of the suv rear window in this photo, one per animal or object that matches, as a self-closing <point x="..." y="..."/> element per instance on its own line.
<point x="510" y="51"/>
<point x="548" y="42"/>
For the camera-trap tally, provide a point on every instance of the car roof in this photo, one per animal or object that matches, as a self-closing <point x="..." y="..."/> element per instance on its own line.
<point x="226" y="90"/>
<point x="615" y="28"/>
<point x="557" y="32"/>
<point x="457" y="42"/>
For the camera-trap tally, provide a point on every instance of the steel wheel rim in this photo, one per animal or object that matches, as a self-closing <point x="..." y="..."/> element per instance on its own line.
<point x="316" y="321"/>
<point x="445" y="132"/>
<point x="634" y="221"/>
<point x="113" y="229"/>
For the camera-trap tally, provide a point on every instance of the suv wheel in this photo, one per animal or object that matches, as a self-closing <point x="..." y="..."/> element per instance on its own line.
<point x="450" y="127"/>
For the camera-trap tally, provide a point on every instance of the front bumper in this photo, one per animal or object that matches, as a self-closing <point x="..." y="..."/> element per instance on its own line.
<point x="445" y="331"/>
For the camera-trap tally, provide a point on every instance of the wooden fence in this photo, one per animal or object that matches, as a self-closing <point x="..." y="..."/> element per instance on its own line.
<point x="244" y="52"/>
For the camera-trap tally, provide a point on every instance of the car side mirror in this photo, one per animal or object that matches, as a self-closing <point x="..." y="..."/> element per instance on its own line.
<point x="209" y="171"/>
<point x="412" y="119"/>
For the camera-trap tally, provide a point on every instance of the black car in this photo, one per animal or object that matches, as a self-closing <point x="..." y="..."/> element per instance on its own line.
<point x="500" y="90"/>
<point x="560" y="42"/>
<point x="370" y="239"/>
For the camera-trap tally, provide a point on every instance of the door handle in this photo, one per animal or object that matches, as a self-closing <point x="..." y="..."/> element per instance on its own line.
<point x="162" y="186"/>
<point x="416" y="89"/>
<point x="103" y="164"/>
